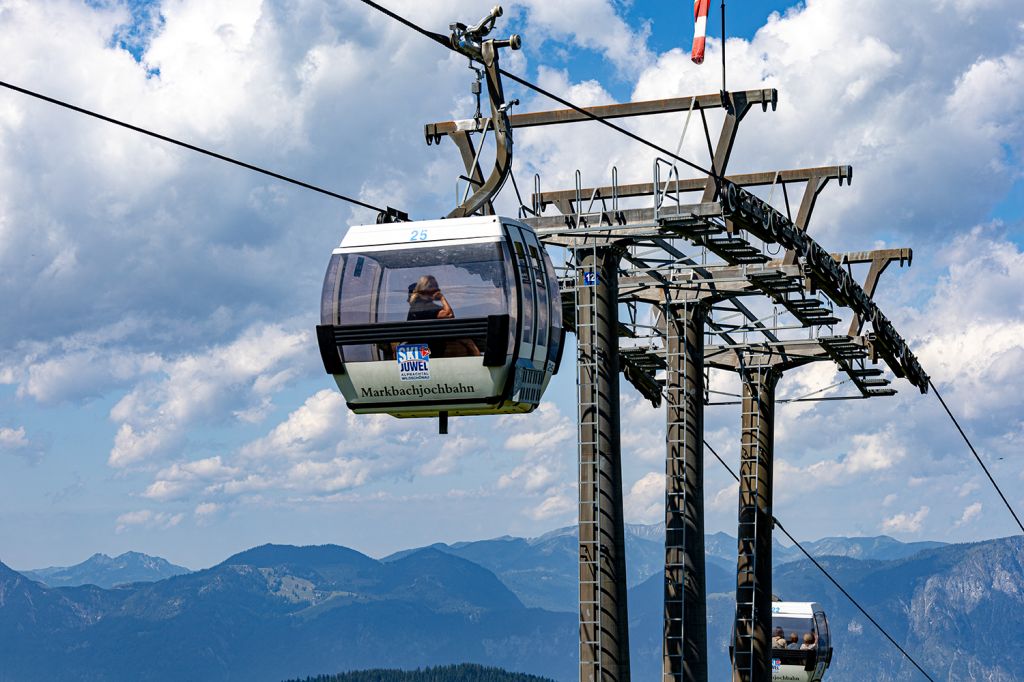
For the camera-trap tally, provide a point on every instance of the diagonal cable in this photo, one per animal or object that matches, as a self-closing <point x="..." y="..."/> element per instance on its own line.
<point x="829" y="575"/>
<point x="976" y="456"/>
<point x="190" y="147"/>
<point x="445" y="42"/>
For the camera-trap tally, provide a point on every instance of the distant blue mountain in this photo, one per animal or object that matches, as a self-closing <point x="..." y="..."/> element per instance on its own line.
<point x="277" y="612"/>
<point x="105" y="571"/>
<point x="881" y="547"/>
<point x="958" y="609"/>
<point x="543" y="571"/>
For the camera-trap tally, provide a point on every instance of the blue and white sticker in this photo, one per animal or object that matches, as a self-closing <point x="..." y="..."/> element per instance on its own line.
<point x="776" y="664"/>
<point x="413" y="362"/>
<point x="590" y="278"/>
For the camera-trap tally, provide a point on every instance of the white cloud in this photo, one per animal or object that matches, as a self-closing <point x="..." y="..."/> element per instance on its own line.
<point x="972" y="331"/>
<point x="968" y="488"/>
<point x="147" y="518"/>
<point x="547" y="439"/>
<point x="971" y="512"/>
<point x="451" y="452"/>
<point x="870" y="454"/>
<point x="155" y="416"/>
<point x="319" y="424"/>
<point x="340" y="473"/>
<point x="16" y="441"/>
<point x="555" y="504"/>
<point x="179" y="479"/>
<point x="645" y="500"/>
<point x="726" y="498"/>
<point x="545" y="428"/>
<point x="205" y="512"/>
<point x="643" y="428"/>
<point x="136" y="271"/>
<point x="13" y="439"/>
<point x="593" y="24"/>
<point x="852" y="89"/>
<point x="905" y="522"/>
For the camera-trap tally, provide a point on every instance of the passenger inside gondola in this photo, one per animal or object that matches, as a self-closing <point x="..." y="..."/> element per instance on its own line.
<point x="809" y="642"/>
<point x="779" y="639"/>
<point x="418" y="284"/>
<point x="427" y="302"/>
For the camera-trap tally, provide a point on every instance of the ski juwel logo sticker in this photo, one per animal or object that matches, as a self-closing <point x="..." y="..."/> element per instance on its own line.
<point x="414" y="362"/>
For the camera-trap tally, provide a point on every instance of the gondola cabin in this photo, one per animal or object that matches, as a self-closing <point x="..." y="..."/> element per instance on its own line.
<point x="444" y="317"/>
<point x="801" y="643"/>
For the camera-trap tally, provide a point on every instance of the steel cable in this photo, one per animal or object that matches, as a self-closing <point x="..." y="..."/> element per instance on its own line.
<point x="828" y="575"/>
<point x="190" y="147"/>
<point x="976" y="456"/>
<point x="444" y="41"/>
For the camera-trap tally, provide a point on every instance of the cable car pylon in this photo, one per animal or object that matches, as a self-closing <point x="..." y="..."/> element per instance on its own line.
<point x="684" y="649"/>
<point x="722" y="302"/>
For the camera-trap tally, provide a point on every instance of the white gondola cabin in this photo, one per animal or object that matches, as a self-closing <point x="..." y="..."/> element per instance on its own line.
<point x="444" y="317"/>
<point x="801" y="643"/>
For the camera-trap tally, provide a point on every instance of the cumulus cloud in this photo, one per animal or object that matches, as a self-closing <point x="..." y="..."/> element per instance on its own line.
<point x="206" y="512"/>
<point x="645" y="500"/>
<point x="15" y="441"/>
<point x="726" y="497"/>
<point x="869" y="454"/>
<point x="546" y="439"/>
<point x="906" y="522"/>
<point x="319" y="450"/>
<point x="972" y="330"/>
<point x="449" y="455"/>
<point x="319" y="424"/>
<point x="180" y="479"/>
<point x="594" y="24"/>
<point x="147" y="518"/>
<point x="853" y="89"/>
<point x="971" y="512"/>
<point x="174" y="286"/>
<point x="155" y="416"/>
<point x="556" y="504"/>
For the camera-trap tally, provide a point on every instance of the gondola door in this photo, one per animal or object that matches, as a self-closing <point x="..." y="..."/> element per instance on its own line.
<point x="528" y="296"/>
<point x="824" y="644"/>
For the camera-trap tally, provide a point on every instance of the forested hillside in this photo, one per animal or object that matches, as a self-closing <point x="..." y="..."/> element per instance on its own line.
<point x="445" y="673"/>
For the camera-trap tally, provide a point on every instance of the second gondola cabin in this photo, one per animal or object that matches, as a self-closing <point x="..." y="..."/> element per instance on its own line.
<point x="443" y="317"/>
<point x="801" y="642"/>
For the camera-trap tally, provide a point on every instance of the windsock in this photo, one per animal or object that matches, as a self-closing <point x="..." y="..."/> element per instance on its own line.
<point x="700" y="26"/>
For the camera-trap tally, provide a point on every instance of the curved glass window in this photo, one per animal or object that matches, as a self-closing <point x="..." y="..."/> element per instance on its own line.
<point x="526" y="281"/>
<point x="824" y="637"/>
<point x="428" y="282"/>
<point x="555" y="296"/>
<point x="328" y="297"/>
<point x="795" y="631"/>
<point x="540" y="280"/>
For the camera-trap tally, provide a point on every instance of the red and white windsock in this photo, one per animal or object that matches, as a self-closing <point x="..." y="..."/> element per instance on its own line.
<point x="700" y="27"/>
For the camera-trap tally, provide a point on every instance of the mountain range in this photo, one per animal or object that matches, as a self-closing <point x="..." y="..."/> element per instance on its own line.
<point x="280" y="612"/>
<point x="104" y="571"/>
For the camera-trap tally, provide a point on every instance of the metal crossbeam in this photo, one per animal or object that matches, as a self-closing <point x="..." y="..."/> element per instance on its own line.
<point x="646" y="189"/>
<point x="765" y="97"/>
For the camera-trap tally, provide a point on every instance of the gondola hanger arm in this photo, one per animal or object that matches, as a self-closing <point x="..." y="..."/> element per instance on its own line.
<point x="471" y="41"/>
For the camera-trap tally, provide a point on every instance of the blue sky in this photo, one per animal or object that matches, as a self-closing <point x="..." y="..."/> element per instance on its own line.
<point x="160" y="388"/>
